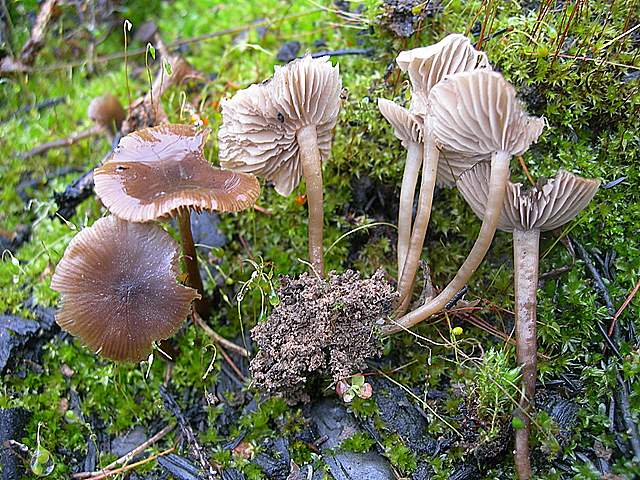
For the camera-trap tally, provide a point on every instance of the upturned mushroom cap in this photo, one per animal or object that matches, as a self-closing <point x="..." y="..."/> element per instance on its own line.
<point x="407" y="127"/>
<point x="427" y="66"/>
<point x="119" y="289"/>
<point x="107" y="111"/>
<point x="156" y="171"/>
<point x="478" y="113"/>
<point x="546" y="206"/>
<point x="258" y="133"/>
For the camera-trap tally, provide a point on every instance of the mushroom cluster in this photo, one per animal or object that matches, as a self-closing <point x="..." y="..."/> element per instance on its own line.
<point x="468" y="116"/>
<point x="154" y="174"/>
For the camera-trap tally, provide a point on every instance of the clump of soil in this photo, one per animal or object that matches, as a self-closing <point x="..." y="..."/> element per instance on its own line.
<point x="320" y="327"/>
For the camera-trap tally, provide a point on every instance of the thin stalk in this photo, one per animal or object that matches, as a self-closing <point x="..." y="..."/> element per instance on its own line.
<point x="497" y="189"/>
<point x="427" y="186"/>
<point x="307" y="138"/>
<point x="190" y="258"/>
<point x="407" y="193"/>
<point x="525" y="260"/>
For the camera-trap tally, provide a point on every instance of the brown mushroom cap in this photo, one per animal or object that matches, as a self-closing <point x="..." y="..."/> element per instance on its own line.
<point x="547" y="205"/>
<point x="119" y="289"/>
<point x="478" y="113"/>
<point x="155" y="171"/>
<point x="107" y="111"/>
<point x="258" y="133"/>
<point x="427" y="66"/>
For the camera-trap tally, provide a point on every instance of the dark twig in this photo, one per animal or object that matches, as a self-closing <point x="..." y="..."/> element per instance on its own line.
<point x="51" y="102"/>
<point x="622" y="395"/>
<point x="344" y="51"/>
<point x="196" y="449"/>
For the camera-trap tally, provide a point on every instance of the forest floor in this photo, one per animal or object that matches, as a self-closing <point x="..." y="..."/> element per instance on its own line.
<point x="442" y="396"/>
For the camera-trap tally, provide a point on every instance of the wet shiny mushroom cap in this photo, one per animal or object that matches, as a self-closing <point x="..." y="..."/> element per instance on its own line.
<point x="156" y="171"/>
<point x="546" y="206"/>
<point x="119" y="289"/>
<point x="427" y="66"/>
<point x="258" y="133"/>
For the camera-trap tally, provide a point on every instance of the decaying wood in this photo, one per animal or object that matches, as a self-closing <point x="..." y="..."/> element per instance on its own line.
<point x="32" y="47"/>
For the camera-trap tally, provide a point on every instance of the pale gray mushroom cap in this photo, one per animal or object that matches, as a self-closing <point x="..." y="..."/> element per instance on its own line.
<point x="547" y="205"/>
<point x="407" y="127"/>
<point x="478" y="113"/>
<point x="258" y="133"/>
<point x="427" y="66"/>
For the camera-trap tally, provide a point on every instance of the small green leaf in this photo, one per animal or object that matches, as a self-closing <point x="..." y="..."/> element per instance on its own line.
<point x="517" y="423"/>
<point x="151" y="49"/>
<point x="357" y="380"/>
<point x="457" y="331"/>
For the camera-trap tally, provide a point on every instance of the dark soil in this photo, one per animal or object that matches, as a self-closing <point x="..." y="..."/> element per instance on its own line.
<point x="320" y="327"/>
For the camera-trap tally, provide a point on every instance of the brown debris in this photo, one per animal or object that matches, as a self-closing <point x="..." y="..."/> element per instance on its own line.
<point x="32" y="47"/>
<point x="320" y="327"/>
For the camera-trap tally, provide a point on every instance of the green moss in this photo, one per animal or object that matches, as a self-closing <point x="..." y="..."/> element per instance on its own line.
<point x="592" y="131"/>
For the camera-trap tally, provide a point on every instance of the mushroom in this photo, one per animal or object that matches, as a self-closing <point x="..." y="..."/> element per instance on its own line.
<point x="407" y="127"/>
<point x="161" y="172"/>
<point x="281" y="130"/>
<point x="427" y="66"/>
<point x="477" y="113"/>
<point x="107" y="114"/>
<point x="119" y="289"/>
<point x="547" y="206"/>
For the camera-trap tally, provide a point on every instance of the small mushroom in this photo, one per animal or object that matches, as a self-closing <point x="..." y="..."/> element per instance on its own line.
<point x="161" y="172"/>
<point x="281" y="130"/>
<point x="426" y="66"/>
<point x="547" y="206"/>
<point x="477" y="113"/>
<point x="107" y="112"/>
<point x="119" y="289"/>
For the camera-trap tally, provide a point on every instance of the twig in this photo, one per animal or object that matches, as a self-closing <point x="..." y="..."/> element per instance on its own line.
<point x="178" y="43"/>
<point x="63" y="142"/>
<point x="35" y="43"/>
<point x="344" y="51"/>
<point x="624" y="305"/>
<point x="133" y="465"/>
<point x="128" y="456"/>
<point x="172" y="406"/>
<point x="217" y="338"/>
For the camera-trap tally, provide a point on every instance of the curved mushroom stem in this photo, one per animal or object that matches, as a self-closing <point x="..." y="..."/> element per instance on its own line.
<point x="495" y="200"/>
<point x="525" y="260"/>
<point x="405" y="210"/>
<point x="427" y="186"/>
<point x="307" y="138"/>
<point x="190" y="258"/>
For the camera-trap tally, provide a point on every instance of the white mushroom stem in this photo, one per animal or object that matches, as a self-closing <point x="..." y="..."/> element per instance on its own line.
<point x="190" y="258"/>
<point x="427" y="186"/>
<point x="312" y="170"/>
<point x="525" y="260"/>
<point x="407" y="193"/>
<point x="497" y="188"/>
